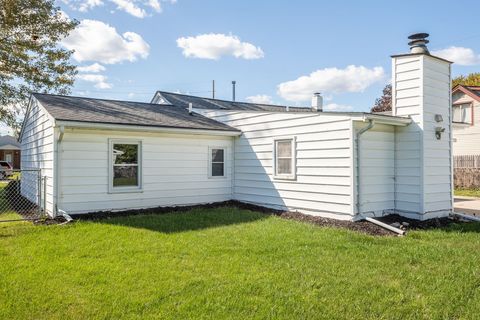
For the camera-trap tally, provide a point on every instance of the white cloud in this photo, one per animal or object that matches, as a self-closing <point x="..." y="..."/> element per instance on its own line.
<point x="96" y="67"/>
<point x="130" y="7"/>
<point x="94" y="40"/>
<point x="260" y="98"/>
<point x="215" y="45"/>
<point x="337" y="107"/>
<point x="99" y="80"/>
<point x="330" y="80"/>
<point x="460" y="55"/>
<point x="136" y="8"/>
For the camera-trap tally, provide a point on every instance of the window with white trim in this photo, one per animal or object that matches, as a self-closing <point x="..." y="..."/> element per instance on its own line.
<point x="462" y="113"/>
<point x="217" y="162"/>
<point x="284" y="158"/>
<point x="125" y="166"/>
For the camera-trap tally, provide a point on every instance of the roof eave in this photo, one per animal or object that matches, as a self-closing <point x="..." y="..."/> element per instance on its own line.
<point x="140" y="128"/>
<point x="382" y="119"/>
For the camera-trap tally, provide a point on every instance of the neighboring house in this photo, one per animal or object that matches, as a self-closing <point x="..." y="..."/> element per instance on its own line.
<point x="183" y="150"/>
<point x="10" y="151"/>
<point x="466" y="120"/>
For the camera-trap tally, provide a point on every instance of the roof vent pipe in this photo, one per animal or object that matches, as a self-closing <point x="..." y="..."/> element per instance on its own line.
<point x="317" y="102"/>
<point x="190" y="108"/>
<point x="233" y="90"/>
<point x="418" y="43"/>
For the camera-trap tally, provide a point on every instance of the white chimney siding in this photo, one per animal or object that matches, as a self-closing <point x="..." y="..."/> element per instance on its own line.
<point x="423" y="177"/>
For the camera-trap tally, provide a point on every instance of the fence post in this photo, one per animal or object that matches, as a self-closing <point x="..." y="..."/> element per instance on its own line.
<point x="45" y="195"/>
<point x="39" y="191"/>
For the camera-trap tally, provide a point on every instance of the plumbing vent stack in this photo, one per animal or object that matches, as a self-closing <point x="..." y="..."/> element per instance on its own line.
<point x="317" y="102"/>
<point x="190" y="108"/>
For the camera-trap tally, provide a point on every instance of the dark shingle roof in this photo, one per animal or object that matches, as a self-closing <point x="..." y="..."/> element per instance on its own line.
<point x="82" y="109"/>
<point x="182" y="100"/>
<point x="9" y="140"/>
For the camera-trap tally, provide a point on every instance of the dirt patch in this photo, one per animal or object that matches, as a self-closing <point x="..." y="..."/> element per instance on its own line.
<point x="359" y="226"/>
<point x="98" y="215"/>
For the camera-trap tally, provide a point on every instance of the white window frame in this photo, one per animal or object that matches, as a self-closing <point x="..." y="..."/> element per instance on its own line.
<point x="125" y="189"/>
<point x="290" y="176"/>
<point x="225" y="157"/>
<point x="464" y="108"/>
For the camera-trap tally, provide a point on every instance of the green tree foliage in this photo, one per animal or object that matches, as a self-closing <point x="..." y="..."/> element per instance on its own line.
<point x="30" y="57"/>
<point x="472" y="79"/>
<point x="384" y="103"/>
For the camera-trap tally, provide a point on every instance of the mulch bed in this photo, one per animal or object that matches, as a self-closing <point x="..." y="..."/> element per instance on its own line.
<point x="358" y="226"/>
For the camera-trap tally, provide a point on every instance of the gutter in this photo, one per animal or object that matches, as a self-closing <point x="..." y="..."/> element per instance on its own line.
<point x="371" y="123"/>
<point x="57" y="171"/>
<point x="127" y="127"/>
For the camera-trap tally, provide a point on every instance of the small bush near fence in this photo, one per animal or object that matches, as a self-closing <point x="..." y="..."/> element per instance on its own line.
<point x="466" y="171"/>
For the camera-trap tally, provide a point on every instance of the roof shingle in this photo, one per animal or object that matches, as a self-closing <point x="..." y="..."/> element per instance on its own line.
<point x="82" y="109"/>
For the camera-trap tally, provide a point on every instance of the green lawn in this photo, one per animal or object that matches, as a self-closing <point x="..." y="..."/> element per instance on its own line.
<point x="237" y="264"/>
<point x="468" y="192"/>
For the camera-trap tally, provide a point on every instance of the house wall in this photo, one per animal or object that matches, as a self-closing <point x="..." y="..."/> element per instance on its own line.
<point x="324" y="172"/>
<point x="37" y="152"/>
<point x="377" y="168"/>
<point x="421" y="89"/>
<point x="466" y="138"/>
<point x="175" y="171"/>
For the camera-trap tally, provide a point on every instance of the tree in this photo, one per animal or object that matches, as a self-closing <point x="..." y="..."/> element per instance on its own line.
<point x="472" y="79"/>
<point x="384" y="103"/>
<point x="30" y="58"/>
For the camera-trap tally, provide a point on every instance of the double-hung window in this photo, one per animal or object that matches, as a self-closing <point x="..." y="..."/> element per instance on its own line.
<point x="216" y="162"/>
<point x="462" y="113"/>
<point x="284" y="158"/>
<point x="125" y="166"/>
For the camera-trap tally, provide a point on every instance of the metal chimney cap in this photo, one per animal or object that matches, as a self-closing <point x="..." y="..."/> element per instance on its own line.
<point x="417" y="36"/>
<point x="418" y="43"/>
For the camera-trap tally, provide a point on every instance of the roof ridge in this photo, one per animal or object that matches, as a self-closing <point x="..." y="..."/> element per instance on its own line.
<point x="99" y="99"/>
<point x="230" y="101"/>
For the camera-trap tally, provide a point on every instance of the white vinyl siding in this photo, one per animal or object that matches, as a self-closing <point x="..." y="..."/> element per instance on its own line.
<point x="175" y="171"/>
<point x="323" y="144"/>
<point x="37" y="152"/>
<point x="377" y="182"/>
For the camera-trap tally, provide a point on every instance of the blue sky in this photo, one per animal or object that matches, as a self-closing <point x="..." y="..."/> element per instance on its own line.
<point x="277" y="51"/>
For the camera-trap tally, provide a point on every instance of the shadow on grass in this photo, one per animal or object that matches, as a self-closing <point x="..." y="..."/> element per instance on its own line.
<point x="195" y="219"/>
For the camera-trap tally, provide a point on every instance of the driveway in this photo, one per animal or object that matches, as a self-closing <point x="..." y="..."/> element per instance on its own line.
<point x="467" y="205"/>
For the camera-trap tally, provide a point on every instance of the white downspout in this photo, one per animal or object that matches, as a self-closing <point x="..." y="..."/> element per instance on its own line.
<point x="371" y="123"/>
<point x="59" y="212"/>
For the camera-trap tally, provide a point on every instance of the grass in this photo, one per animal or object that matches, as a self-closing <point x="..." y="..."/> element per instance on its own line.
<point x="468" y="192"/>
<point x="231" y="263"/>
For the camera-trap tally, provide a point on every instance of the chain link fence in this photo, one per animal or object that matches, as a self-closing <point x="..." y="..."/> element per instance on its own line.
<point x="21" y="195"/>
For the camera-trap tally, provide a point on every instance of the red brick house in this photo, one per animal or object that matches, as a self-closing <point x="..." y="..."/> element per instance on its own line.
<point x="10" y="151"/>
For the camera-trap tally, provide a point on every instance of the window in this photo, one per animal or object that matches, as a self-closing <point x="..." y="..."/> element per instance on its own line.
<point x="462" y="113"/>
<point x="125" y="169"/>
<point x="284" y="158"/>
<point x="217" y="162"/>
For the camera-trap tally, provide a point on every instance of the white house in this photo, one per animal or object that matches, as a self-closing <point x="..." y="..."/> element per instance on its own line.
<point x="466" y="120"/>
<point x="182" y="150"/>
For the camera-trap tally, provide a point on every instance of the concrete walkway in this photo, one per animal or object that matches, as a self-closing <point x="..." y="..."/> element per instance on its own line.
<point x="469" y="205"/>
